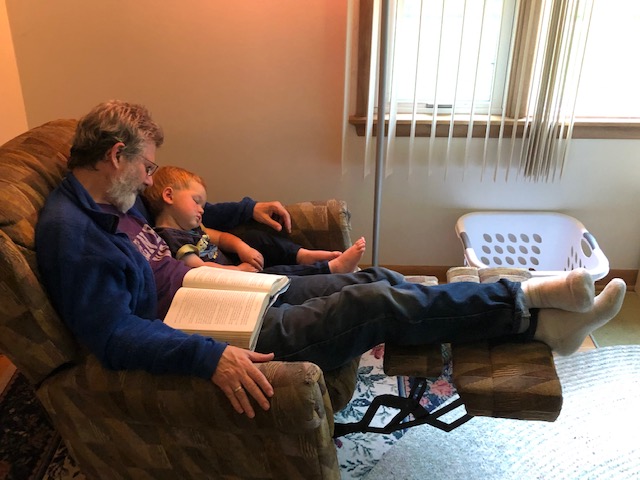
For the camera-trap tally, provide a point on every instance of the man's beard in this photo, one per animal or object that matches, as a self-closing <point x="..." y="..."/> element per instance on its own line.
<point x="125" y="188"/>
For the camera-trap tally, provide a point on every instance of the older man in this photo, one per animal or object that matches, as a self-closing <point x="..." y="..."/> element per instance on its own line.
<point x="110" y="277"/>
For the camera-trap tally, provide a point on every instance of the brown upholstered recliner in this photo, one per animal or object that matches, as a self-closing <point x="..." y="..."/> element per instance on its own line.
<point x="132" y="424"/>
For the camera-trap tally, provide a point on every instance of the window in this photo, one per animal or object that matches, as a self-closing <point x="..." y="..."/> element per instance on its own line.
<point x="484" y="34"/>
<point x="609" y="83"/>
<point x="459" y="44"/>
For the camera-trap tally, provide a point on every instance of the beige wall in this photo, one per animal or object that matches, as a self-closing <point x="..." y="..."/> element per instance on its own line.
<point x="250" y="95"/>
<point x="13" y="118"/>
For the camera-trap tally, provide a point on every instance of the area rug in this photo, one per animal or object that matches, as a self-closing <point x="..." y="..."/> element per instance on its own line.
<point x="595" y="436"/>
<point x="28" y="440"/>
<point x="358" y="453"/>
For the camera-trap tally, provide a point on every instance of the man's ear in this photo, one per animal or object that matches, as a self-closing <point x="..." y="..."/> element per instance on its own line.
<point x="167" y="195"/>
<point x="114" y="154"/>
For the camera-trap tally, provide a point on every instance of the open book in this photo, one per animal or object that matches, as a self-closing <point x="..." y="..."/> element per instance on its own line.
<point x="227" y="305"/>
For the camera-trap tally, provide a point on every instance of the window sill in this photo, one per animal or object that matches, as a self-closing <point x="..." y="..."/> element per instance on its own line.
<point x="593" y="128"/>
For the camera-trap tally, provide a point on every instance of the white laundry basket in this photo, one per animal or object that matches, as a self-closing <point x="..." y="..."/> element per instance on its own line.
<point x="546" y="243"/>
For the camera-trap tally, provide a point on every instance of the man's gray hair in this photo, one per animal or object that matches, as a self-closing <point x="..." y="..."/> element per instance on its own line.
<point x="109" y="123"/>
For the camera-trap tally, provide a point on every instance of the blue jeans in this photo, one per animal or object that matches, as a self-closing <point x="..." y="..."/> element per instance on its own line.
<point x="331" y="319"/>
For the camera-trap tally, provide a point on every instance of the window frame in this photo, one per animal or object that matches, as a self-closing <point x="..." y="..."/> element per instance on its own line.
<point x="522" y="65"/>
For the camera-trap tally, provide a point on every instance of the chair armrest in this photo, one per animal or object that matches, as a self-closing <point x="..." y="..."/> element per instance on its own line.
<point x="184" y="427"/>
<point x="300" y="399"/>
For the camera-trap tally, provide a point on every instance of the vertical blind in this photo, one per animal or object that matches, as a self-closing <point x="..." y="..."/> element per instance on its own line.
<point x="502" y="72"/>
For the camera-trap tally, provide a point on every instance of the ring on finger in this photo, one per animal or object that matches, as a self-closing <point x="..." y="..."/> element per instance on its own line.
<point x="237" y="389"/>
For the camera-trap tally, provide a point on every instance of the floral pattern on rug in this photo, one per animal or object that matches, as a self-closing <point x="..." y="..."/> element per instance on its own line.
<point x="359" y="452"/>
<point x="27" y="438"/>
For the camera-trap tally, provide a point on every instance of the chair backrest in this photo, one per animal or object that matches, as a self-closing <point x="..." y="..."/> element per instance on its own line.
<point x="31" y="333"/>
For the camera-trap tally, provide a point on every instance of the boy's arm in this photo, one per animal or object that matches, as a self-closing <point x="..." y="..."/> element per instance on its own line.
<point x="193" y="260"/>
<point x="230" y="243"/>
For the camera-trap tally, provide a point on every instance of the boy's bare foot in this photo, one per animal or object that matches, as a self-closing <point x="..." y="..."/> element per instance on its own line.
<point x="307" y="257"/>
<point x="348" y="261"/>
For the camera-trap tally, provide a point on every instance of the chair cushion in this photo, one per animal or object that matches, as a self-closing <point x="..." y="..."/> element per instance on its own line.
<point x="31" y="334"/>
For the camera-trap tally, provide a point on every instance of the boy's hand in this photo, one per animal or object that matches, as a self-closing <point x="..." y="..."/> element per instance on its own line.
<point x="251" y="256"/>
<point x="245" y="267"/>
<point x="272" y="214"/>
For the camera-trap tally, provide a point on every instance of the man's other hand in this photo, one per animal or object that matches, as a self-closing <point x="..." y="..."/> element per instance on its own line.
<point x="239" y="378"/>
<point x="272" y="214"/>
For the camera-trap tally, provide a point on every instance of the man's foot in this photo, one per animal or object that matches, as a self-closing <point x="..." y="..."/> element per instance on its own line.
<point x="572" y="292"/>
<point x="348" y="261"/>
<point x="565" y="331"/>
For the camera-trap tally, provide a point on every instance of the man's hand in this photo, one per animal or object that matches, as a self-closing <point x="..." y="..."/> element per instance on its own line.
<point x="272" y="214"/>
<point x="238" y="377"/>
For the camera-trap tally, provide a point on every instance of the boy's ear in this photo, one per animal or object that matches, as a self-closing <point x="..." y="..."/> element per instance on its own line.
<point x="167" y="195"/>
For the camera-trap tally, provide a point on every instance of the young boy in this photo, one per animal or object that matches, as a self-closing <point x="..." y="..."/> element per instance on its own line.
<point x="177" y="199"/>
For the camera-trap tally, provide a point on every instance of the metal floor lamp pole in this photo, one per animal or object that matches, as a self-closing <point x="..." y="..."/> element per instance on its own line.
<point x="380" y="151"/>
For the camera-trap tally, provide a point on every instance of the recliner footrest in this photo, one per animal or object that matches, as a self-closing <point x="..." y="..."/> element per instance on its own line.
<point x="507" y="380"/>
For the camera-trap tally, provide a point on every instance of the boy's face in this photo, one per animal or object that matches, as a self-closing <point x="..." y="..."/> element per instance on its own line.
<point x="188" y="205"/>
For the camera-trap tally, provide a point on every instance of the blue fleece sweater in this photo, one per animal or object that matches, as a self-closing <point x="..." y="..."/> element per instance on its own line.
<point x="104" y="289"/>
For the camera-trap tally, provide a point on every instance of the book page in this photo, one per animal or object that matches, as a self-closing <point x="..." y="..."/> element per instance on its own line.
<point x="206" y="311"/>
<point x="221" y="278"/>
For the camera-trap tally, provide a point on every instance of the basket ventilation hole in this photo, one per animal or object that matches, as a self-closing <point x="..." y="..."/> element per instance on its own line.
<point x="485" y="260"/>
<point x="534" y="260"/>
<point x="522" y="261"/>
<point x="535" y="249"/>
<point x="537" y="238"/>
<point x="497" y="260"/>
<point x="499" y="249"/>
<point x="524" y="237"/>
<point x="486" y="249"/>
<point x="487" y="238"/>
<point x="510" y="261"/>
<point x="499" y="238"/>
<point x="512" y="237"/>
<point x="586" y="248"/>
<point x="523" y="249"/>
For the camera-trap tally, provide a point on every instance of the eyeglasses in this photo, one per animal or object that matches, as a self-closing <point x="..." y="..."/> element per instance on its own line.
<point x="150" y="167"/>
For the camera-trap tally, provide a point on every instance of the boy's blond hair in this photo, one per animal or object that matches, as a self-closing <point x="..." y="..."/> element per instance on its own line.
<point x="174" y="177"/>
